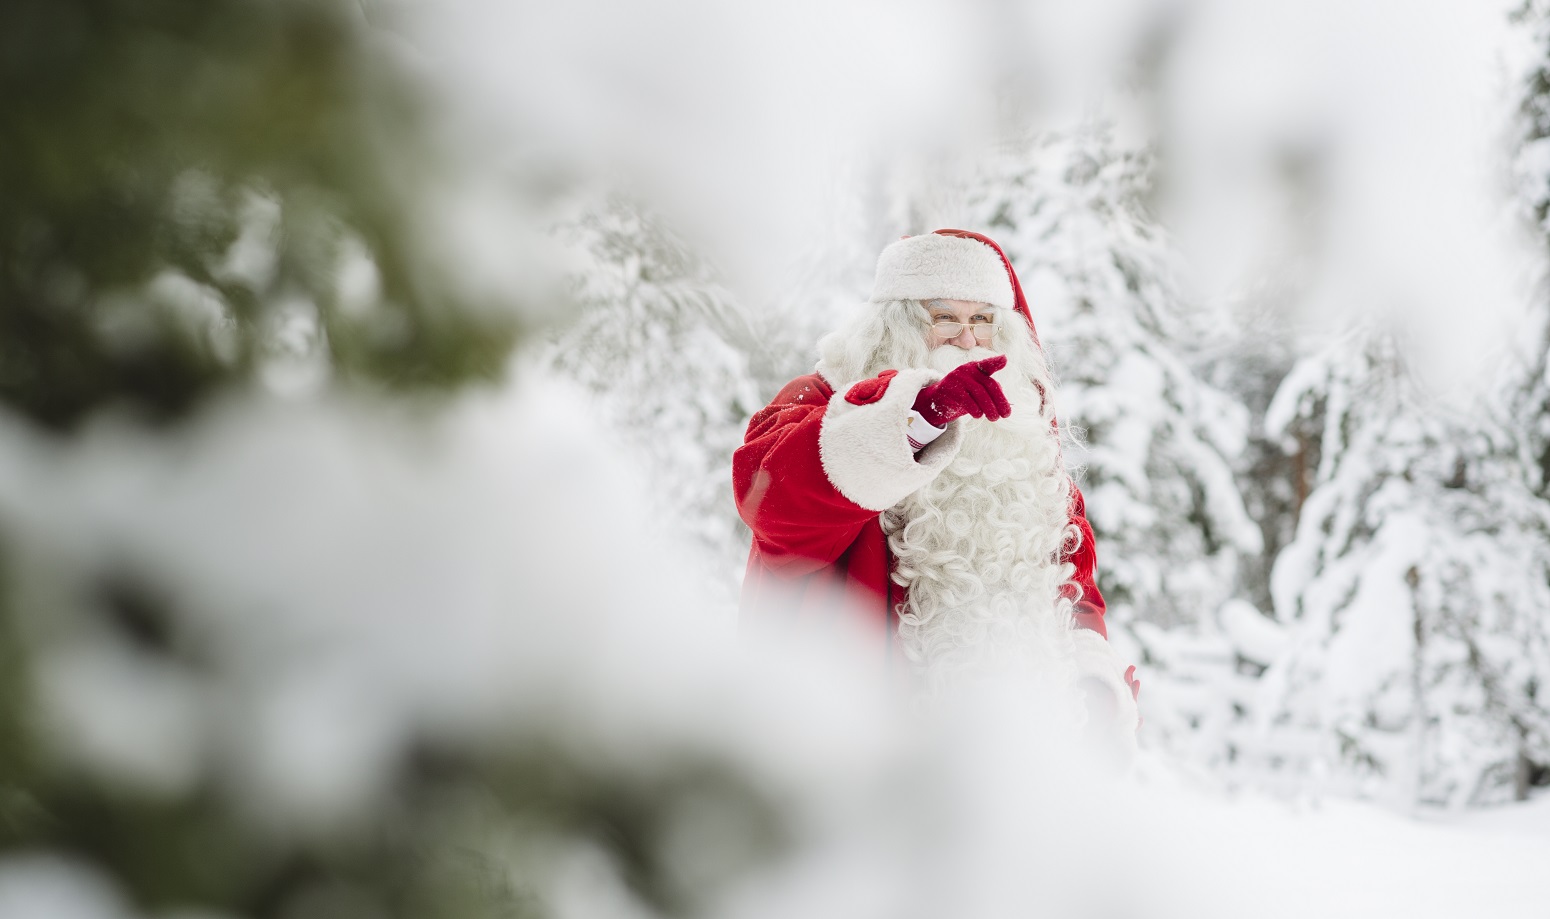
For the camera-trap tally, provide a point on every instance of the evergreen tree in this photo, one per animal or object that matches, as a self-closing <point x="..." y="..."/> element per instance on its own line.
<point x="266" y="657"/>
<point x="1415" y="588"/>
<point x="195" y="193"/>
<point x="1157" y="442"/>
<point x="666" y="347"/>
<point x="1531" y="175"/>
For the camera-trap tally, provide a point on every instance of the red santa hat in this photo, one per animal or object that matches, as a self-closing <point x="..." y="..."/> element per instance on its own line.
<point x="952" y="265"/>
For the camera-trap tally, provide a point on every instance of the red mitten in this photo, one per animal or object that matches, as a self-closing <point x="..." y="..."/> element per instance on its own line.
<point x="969" y="390"/>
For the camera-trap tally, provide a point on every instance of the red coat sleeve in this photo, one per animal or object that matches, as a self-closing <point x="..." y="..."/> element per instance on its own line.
<point x="800" y="521"/>
<point x="1090" y="606"/>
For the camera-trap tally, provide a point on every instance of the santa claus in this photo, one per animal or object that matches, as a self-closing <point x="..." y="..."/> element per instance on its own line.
<point x="915" y="482"/>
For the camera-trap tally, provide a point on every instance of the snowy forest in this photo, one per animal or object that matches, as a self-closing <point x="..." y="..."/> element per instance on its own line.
<point x="370" y="374"/>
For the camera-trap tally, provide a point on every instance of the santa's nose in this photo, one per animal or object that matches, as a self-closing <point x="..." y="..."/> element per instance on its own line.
<point x="966" y="339"/>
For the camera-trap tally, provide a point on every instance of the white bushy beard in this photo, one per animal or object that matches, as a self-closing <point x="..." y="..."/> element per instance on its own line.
<point x="978" y="548"/>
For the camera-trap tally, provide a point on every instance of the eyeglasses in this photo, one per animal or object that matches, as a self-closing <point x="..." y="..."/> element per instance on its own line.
<point x="947" y="331"/>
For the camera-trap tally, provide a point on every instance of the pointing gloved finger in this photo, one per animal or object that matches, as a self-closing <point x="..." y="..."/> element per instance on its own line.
<point x="991" y="364"/>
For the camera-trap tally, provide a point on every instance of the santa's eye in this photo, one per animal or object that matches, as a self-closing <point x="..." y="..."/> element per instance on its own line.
<point x="982" y="319"/>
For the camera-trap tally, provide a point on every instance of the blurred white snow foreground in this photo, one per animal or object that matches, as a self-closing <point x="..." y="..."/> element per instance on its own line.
<point x="364" y="581"/>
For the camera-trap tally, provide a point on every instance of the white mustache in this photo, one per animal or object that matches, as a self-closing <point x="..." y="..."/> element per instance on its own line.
<point x="947" y="358"/>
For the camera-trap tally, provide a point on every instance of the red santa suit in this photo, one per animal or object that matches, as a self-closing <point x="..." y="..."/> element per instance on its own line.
<point x="816" y="551"/>
<point x="819" y="467"/>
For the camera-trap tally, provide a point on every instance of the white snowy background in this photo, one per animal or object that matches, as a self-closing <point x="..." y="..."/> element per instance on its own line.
<point x="1290" y="259"/>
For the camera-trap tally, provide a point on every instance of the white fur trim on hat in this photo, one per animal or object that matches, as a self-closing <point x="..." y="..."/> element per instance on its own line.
<point x="948" y="267"/>
<point x="865" y="449"/>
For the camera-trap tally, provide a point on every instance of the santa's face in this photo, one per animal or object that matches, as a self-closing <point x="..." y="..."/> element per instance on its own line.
<point x="965" y="324"/>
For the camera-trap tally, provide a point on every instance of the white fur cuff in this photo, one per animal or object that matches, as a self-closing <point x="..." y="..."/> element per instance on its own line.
<point x="866" y="451"/>
<point x="1097" y="660"/>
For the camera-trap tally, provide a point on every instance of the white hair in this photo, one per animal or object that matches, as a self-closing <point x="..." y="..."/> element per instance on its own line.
<point x="978" y="549"/>
<point x="878" y="336"/>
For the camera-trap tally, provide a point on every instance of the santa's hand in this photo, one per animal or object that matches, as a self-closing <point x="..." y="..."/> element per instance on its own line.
<point x="969" y="390"/>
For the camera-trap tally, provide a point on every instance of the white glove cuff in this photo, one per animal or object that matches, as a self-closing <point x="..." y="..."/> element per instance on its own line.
<point x="920" y="431"/>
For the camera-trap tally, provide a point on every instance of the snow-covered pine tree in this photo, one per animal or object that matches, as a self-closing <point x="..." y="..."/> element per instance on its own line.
<point x="1415" y="588"/>
<point x="1531" y="168"/>
<point x="180" y="223"/>
<point x="665" y="347"/>
<point x="1158" y="443"/>
<point x="1528" y="396"/>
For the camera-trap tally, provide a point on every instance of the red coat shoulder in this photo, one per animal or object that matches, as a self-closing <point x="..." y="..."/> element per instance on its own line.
<point x="808" y="388"/>
<point x="795" y="400"/>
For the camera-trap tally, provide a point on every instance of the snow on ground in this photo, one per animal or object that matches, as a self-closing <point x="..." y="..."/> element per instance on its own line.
<point x="1530" y="819"/>
<point x="1208" y="854"/>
